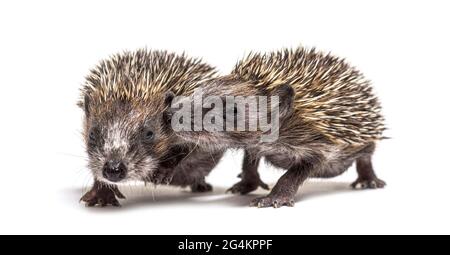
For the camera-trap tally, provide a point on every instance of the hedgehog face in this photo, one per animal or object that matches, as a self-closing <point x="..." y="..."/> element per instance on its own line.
<point x="124" y="145"/>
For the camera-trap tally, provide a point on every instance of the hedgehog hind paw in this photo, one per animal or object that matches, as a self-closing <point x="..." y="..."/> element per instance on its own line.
<point x="371" y="183"/>
<point x="273" y="201"/>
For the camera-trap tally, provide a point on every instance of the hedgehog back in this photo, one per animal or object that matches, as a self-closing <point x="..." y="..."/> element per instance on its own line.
<point x="331" y="96"/>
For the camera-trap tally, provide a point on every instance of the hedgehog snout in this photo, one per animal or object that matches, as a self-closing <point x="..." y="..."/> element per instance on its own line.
<point x="114" y="170"/>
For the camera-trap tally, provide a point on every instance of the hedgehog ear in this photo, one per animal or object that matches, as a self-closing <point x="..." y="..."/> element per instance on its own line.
<point x="168" y="98"/>
<point x="167" y="115"/>
<point x="286" y="96"/>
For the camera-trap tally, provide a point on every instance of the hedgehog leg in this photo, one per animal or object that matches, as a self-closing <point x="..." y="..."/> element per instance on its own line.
<point x="366" y="175"/>
<point x="192" y="170"/>
<point x="250" y="179"/>
<point x="284" y="191"/>
<point x="103" y="195"/>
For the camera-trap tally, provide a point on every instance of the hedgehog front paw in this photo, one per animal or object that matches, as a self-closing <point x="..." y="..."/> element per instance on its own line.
<point x="244" y="186"/>
<point x="368" y="183"/>
<point x="201" y="187"/>
<point x="275" y="201"/>
<point x="162" y="176"/>
<point x="102" y="195"/>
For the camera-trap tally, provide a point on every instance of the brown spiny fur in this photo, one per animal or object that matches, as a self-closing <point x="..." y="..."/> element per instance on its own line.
<point x="142" y="75"/>
<point x="331" y="96"/>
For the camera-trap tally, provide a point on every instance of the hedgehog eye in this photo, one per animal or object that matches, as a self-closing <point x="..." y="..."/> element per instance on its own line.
<point x="149" y="135"/>
<point x="92" y="135"/>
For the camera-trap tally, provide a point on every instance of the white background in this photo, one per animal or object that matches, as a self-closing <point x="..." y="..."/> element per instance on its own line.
<point x="47" y="47"/>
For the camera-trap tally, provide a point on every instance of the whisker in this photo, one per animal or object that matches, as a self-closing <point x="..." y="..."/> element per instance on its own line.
<point x="72" y="155"/>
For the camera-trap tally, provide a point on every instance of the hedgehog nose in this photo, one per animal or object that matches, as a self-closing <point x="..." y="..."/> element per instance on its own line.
<point x="114" y="171"/>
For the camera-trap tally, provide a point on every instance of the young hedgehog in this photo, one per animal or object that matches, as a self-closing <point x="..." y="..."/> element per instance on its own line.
<point x="329" y="118"/>
<point x="126" y="131"/>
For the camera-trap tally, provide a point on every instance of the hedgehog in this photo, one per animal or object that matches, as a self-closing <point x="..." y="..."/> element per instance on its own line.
<point x="125" y="127"/>
<point x="329" y="118"/>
